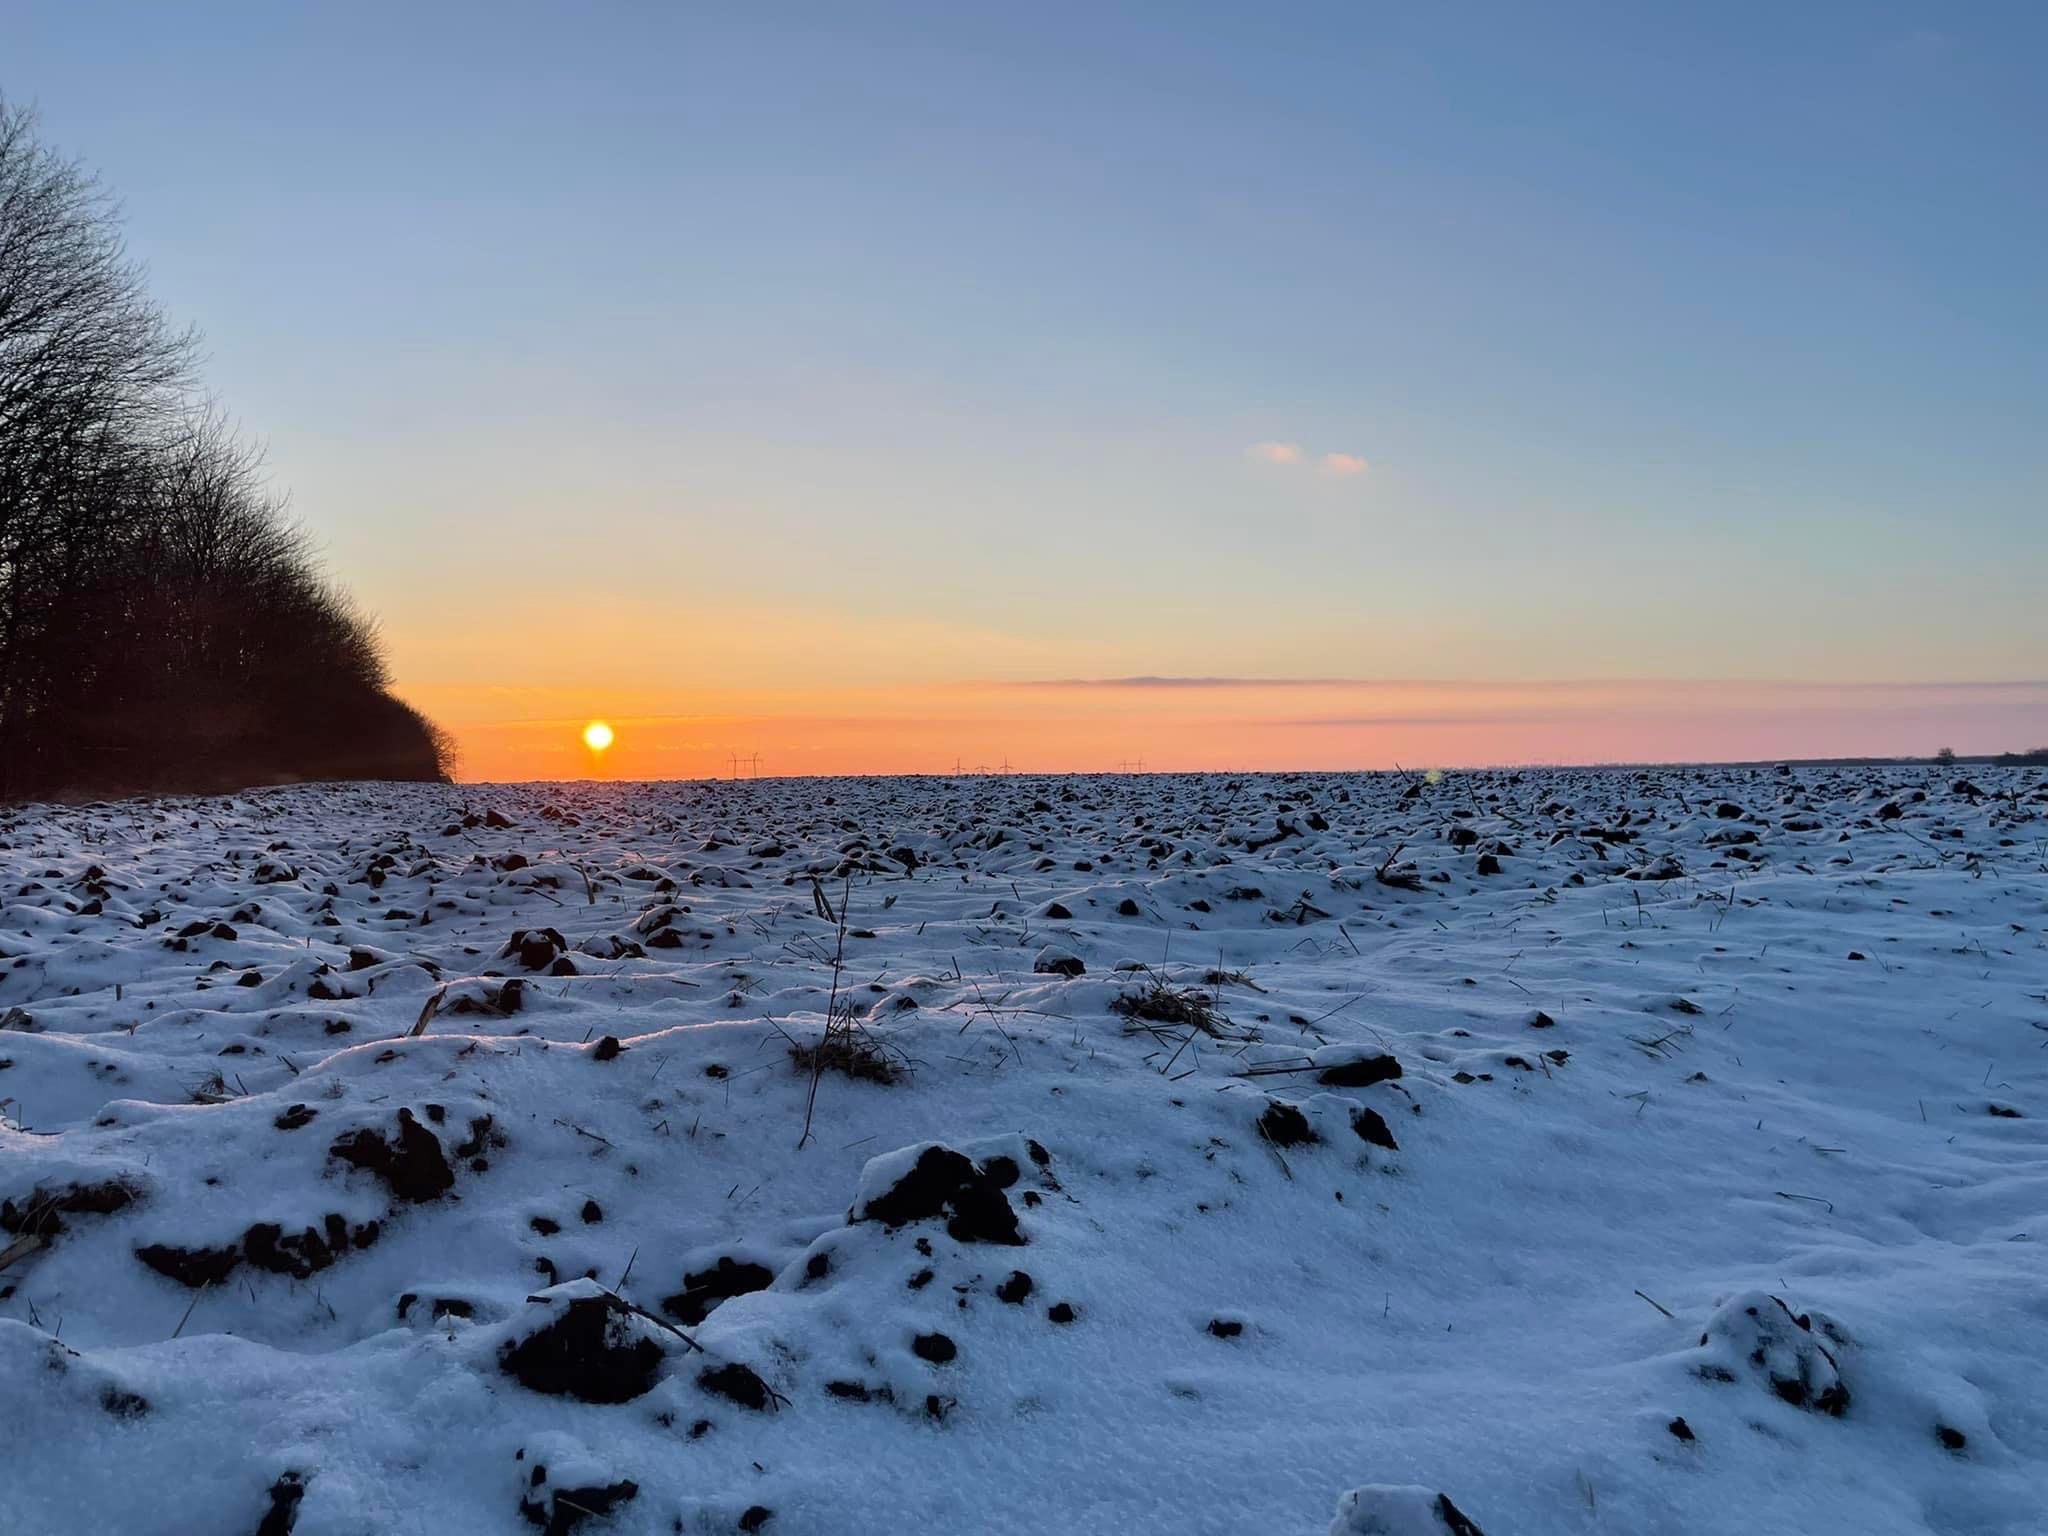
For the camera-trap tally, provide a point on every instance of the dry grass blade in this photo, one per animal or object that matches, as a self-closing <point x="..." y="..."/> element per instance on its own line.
<point x="819" y="1055"/>
<point x="849" y="1050"/>
<point x="1163" y="1003"/>
<point x="1405" y="877"/>
<point x="432" y="1007"/>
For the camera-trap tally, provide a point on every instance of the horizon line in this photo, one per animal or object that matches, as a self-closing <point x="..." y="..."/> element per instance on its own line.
<point x="1168" y="681"/>
<point x="1617" y="765"/>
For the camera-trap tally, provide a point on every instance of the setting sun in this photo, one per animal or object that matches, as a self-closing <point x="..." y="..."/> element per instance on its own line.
<point x="597" y="735"/>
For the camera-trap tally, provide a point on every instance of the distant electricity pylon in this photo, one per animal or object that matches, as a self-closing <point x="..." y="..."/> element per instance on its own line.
<point x="753" y="764"/>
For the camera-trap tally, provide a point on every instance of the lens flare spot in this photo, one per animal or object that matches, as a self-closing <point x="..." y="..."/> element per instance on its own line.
<point x="597" y="735"/>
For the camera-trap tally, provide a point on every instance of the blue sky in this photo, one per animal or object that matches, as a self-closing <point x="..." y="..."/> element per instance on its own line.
<point x="1699" y="342"/>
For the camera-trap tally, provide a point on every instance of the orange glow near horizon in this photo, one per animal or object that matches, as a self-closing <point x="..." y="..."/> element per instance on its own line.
<point x="717" y="688"/>
<point x="1184" y="725"/>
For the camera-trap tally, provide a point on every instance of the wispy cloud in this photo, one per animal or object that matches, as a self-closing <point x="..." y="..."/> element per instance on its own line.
<point x="1380" y="722"/>
<point x="1170" y="682"/>
<point x="1275" y="453"/>
<point x="1290" y="454"/>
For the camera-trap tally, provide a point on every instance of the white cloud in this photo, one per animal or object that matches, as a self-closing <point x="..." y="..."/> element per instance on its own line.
<point x="1343" y="464"/>
<point x="1276" y="453"/>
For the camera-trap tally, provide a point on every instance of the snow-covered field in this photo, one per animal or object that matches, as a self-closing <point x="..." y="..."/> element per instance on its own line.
<point x="1624" y="1152"/>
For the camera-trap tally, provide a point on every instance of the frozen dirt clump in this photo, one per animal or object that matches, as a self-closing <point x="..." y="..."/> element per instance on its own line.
<point x="1385" y="1509"/>
<point x="1790" y="1350"/>
<point x="1054" y="961"/>
<point x="270" y="1246"/>
<point x="933" y="1181"/>
<point x="593" y="1347"/>
<point x="1284" y="1125"/>
<point x="561" y="1484"/>
<point x="1663" y="867"/>
<point x="1352" y="1067"/>
<point x="195" y="1268"/>
<point x="738" y="1383"/>
<point x="283" y="1514"/>
<point x="704" y="1289"/>
<point x="411" y="1164"/>
<point x="535" y="948"/>
<point x="40" y="1213"/>
<point x="1371" y="1127"/>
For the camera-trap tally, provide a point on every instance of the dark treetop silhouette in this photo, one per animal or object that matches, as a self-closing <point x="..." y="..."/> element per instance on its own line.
<point x="163" y="626"/>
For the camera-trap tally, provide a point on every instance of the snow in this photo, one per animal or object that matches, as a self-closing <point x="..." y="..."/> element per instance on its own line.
<point x="415" y="1158"/>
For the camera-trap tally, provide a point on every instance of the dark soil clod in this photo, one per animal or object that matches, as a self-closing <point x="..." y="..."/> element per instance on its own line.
<point x="302" y="1254"/>
<point x="560" y="1510"/>
<point x="1372" y="1128"/>
<point x="945" y="1183"/>
<point x="1455" y="1520"/>
<point x="1362" y="1073"/>
<point x="736" y="1383"/>
<point x="935" y="1347"/>
<point x="705" y="1289"/>
<point x="123" y="1404"/>
<point x="283" y="1513"/>
<point x="1286" y="1126"/>
<point x="194" y="1267"/>
<point x="859" y="1392"/>
<point x="593" y="1352"/>
<point x="43" y="1211"/>
<point x="413" y="1168"/>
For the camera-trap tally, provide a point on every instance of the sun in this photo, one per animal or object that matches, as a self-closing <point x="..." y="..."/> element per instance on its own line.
<point x="597" y="735"/>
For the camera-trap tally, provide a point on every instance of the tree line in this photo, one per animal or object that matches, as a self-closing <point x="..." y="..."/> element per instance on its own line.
<point x="164" y="626"/>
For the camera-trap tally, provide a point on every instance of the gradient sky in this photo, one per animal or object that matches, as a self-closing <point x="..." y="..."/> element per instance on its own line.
<point x="801" y="379"/>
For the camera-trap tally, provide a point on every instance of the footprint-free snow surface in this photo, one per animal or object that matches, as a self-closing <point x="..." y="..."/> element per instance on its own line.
<point x="1527" y="1152"/>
